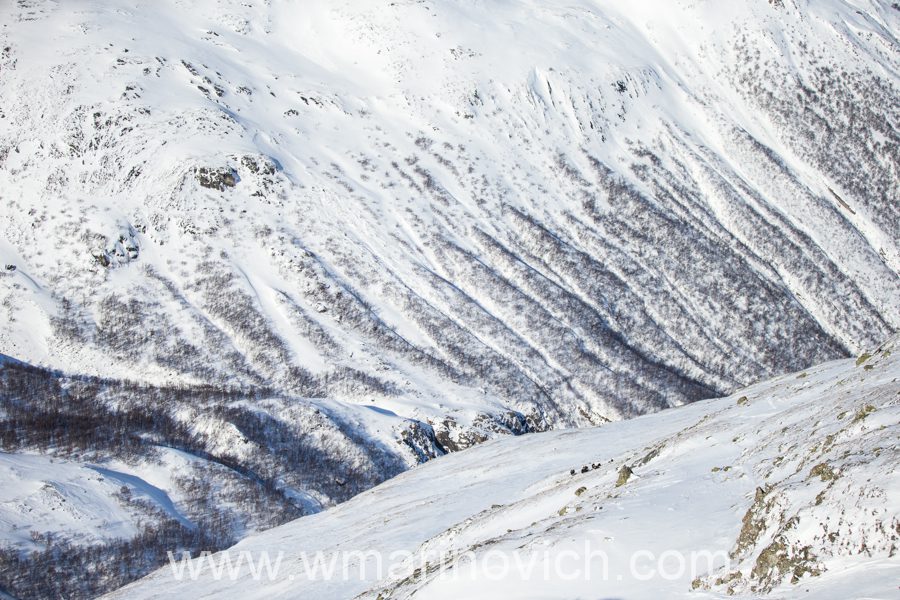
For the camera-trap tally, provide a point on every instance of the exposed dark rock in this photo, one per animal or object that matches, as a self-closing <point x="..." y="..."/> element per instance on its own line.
<point x="216" y="178"/>
<point x="625" y="474"/>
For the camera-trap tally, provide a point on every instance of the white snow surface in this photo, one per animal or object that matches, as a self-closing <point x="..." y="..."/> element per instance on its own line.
<point x="407" y="227"/>
<point x="81" y="502"/>
<point x="809" y="460"/>
<point x="573" y="210"/>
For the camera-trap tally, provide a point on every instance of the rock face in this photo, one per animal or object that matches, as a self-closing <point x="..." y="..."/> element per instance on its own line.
<point x="216" y="178"/>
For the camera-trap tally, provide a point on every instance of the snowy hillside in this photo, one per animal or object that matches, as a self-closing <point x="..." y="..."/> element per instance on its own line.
<point x="258" y="257"/>
<point x="794" y="483"/>
<point x="102" y="477"/>
<point x="574" y="211"/>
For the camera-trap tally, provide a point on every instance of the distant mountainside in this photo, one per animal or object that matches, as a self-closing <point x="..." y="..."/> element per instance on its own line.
<point x="102" y="477"/>
<point x="569" y="211"/>
<point x="298" y="248"/>
<point x="793" y="484"/>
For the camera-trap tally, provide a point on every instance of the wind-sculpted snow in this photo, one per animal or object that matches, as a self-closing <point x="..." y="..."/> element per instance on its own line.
<point x="441" y="222"/>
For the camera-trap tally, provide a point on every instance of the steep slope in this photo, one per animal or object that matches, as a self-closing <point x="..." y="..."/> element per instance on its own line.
<point x="570" y="210"/>
<point x="790" y="487"/>
<point x="310" y="245"/>
<point x="102" y="477"/>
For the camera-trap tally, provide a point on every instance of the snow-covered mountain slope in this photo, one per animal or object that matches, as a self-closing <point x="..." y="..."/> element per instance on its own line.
<point x="574" y="211"/>
<point x="310" y="245"/>
<point x="792" y="485"/>
<point x="40" y="491"/>
<point x="102" y="477"/>
<point x="71" y="528"/>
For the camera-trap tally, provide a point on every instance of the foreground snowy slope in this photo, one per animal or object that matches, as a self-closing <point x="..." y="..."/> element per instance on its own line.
<point x="794" y="482"/>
